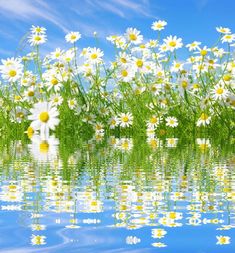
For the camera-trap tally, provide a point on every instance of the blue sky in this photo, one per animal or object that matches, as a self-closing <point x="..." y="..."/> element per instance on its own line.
<point x="189" y="19"/>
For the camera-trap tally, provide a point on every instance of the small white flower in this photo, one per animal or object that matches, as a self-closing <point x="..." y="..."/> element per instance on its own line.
<point x="171" y="122"/>
<point x="37" y="39"/>
<point x="126" y="119"/>
<point x="133" y="36"/>
<point x="204" y="120"/>
<point x="159" y="25"/>
<point x="38" y="240"/>
<point x="72" y="37"/>
<point x="44" y="117"/>
<point x="172" y="43"/>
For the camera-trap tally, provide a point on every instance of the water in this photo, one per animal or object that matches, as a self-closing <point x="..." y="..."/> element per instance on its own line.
<point x="118" y="195"/>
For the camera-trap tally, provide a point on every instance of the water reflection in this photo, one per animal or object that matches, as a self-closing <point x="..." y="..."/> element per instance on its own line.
<point x="117" y="194"/>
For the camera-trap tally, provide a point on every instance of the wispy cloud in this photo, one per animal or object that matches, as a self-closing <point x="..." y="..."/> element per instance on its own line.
<point x="26" y="10"/>
<point x="121" y="8"/>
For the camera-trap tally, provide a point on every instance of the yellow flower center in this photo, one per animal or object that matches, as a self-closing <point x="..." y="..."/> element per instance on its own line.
<point x="20" y="115"/>
<point x="123" y="60"/>
<point x="44" y="147"/>
<point x="125" y="119"/>
<point x="223" y="240"/>
<point x="12" y="73"/>
<point x="159" y="25"/>
<point x="204" y="116"/>
<point x="125" y="145"/>
<point x="94" y="56"/>
<point x="12" y="187"/>
<point x="17" y="97"/>
<point x="184" y="84"/>
<point x="139" y="63"/>
<point x="172" y="215"/>
<point x="203" y="52"/>
<point x="44" y="117"/>
<point x="38" y="29"/>
<point x="31" y="93"/>
<point x="124" y="73"/>
<point x="113" y="122"/>
<point x="227" y="78"/>
<point x="37" y="38"/>
<point x="172" y="43"/>
<point x="54" y="81"/>
<point x="153" y="143"/>
<point x="30" y="131"/>
<point x="132" y="36"/>
<point x="153" y="120"/>
<point x="73" y="37"/>
<point x="171" y="141"/>
<point x="220" y="91"/>
<point x="196" y="86"/>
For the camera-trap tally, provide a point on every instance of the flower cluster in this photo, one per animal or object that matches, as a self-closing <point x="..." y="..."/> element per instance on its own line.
<point x="147" y="86"/>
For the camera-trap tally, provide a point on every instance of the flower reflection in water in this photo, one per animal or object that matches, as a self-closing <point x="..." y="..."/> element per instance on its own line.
<point x="121" y="195"/>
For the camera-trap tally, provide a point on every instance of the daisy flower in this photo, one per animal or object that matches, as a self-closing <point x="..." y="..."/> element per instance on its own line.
<point x="203" y="143"/>
<point x="219" y="92"/>
<point x="156" y="88"/>
<point x="57" y="54"/>
<point x="30" y="132"/>
<point x="38" y="30"/>
<point x="11" y="69"/>
<point x="173" y="43"/>
<point x="159" y="25"/>
<point x="223" y="30"/>
<point x="154" y="121"/>
<point x="72" y="103"/>
<point x="95" y="55"/>
<point x="123" y="58"/>
<point x="114" y="122"/>
<point x="194" y="46"/>
<point x="126" y="144"/>
<point x="29" y="94"/>
<point x="133" y="36"/>
<point x="126" y="73"/>
<point x="68" y="55"/>
<point x="177" y="66"/>
<point x="44" y="117"/>
<point x="38" y="240"/>
<point x="44" y="149"/>
<point x="72" y="37"/>
<point x="126" y="119"/>
<point x="228" y="38"/>
<point x="53" y="81"/>
<point x="171" y="122"/>
<point x="56" y="99"/>
<point x="37" y="39"/>
<point x="171" y="142"/>
<point x="221" y="240"/>
<point x="204" y="120"/>
<point x="158" y="233"/>
<point x="18" y="114"/>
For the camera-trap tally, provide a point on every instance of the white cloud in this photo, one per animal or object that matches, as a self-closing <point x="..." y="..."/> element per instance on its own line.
<point x="121" y="8"/>
<point x="27" y="10"/>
